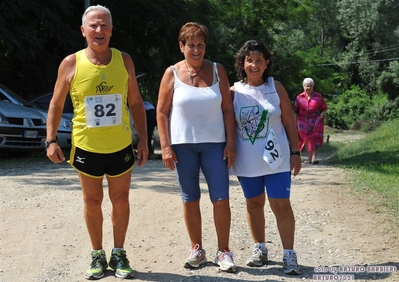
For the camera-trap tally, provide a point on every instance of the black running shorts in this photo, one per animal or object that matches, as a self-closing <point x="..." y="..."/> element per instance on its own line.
<point x="96" y="165"/>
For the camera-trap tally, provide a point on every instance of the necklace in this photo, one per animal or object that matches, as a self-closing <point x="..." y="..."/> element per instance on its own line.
<point x="192" y="75"/>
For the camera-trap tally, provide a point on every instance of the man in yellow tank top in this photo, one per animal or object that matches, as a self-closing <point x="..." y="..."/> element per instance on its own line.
<point x="103" y="86"/>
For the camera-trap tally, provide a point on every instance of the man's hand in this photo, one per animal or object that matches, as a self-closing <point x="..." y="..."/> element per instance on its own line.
<point x="142" y="152"/>
<point x="55" y="154"/>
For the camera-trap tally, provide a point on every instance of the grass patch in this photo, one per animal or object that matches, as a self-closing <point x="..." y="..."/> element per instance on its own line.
<point x="329" y="148"/>
<point x="375" y="159"/>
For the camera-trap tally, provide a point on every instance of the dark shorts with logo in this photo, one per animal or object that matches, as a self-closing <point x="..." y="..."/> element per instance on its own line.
<point x="96" y="165"/>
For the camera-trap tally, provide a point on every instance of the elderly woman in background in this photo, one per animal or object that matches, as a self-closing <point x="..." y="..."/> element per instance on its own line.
<point x="310" y="109"/>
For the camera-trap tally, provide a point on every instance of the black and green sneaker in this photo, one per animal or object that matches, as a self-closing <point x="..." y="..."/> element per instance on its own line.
<point x="120" y="264"/>
<point x="97" y="266"/>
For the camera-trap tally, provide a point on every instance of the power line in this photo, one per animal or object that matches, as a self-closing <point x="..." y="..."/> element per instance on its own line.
<point x="359" y="62"/>
<point x="381" y="50"/>
<point x="372" y="51"/>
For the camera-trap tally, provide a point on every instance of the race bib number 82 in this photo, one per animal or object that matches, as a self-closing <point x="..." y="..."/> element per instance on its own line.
<point x="103" y="110"/>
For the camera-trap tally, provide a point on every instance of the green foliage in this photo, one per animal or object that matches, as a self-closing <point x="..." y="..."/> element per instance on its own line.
<point x="376" y="161"/>
<point x="237" y="21"/>
<point x="325" y="79"/>
<point x="287" y="70"/>
<point x="390" y="110"/>
<point x="352" y="106"/>
<point x="370" y="28"/>
<point x="357" y="110"/>
<point x="389" y="80"/>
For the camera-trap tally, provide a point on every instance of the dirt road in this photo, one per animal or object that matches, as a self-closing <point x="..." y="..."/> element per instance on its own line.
<point x="43" y="235"/>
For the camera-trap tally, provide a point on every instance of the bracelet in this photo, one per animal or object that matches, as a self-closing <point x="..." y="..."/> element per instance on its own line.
<point x="298" y="153"/>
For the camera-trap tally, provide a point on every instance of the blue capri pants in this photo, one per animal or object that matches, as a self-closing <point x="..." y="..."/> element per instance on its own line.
<point x="209" y="158"/>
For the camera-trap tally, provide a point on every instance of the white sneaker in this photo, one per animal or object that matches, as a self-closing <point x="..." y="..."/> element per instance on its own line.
<point x="290" y="264"/>
<point x="225" y="261"/>
<point x="258" y="256"/>
<point x="195" y="258"/>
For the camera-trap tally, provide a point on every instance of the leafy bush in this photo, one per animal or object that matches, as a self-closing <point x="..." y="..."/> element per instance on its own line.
<point x="355" y="109"/>
<point x="347" y="108"/>
<point x="389" y="80"/>
<point x="390" y="110"/>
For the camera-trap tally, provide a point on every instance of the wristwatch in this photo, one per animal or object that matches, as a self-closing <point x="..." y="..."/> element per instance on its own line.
<point x="295" y="153"/>
<point x="47" y="143"/>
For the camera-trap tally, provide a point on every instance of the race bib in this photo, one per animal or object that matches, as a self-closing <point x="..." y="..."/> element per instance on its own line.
<point x="103" y="110"/>
<point x="272" y="154"/>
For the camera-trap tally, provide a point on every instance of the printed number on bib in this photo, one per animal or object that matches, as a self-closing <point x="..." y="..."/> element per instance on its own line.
<point x="272" y="154"/>
<point x="103" y="110"/>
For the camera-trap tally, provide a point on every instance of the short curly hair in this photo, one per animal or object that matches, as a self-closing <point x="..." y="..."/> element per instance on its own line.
<point x="193" y="29"/>
<point x="252" y="46"/>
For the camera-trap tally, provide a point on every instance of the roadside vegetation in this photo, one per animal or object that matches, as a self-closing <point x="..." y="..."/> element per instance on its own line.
<point x="373" y="165"/>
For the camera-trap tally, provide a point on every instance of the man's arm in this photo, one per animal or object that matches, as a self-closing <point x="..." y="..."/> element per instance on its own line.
<point x="66" y="71"/>
<point x="136" y="106"/>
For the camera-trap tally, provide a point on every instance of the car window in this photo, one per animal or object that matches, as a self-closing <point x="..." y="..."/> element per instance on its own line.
<point x="12" y="97"/>
<point x="42" y="102"/>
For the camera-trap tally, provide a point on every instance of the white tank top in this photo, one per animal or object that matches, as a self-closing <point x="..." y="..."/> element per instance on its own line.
<point x="250" y="103"/>
<point x="196" y="115"/>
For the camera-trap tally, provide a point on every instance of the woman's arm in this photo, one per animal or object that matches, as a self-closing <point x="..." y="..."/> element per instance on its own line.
<point x="165" y="95"/>
<point x="288" y="120"/>
<point x="228" y="117"/>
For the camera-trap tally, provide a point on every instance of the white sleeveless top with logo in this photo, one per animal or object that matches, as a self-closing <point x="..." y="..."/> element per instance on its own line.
<point x="196" y="114"/>
<point x="258" y="125"/>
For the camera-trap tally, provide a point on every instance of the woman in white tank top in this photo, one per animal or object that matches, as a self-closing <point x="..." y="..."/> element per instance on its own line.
<point x="267" y="150"/>
<point x="196" y="130"/>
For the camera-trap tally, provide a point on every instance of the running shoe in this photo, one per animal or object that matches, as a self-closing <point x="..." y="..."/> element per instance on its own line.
<point x="97" y="266"/>
<point x="290" y="264"/>
<point x="195" y="258"/>
<point x="120" y="264"/>
<point x="258" y="256"/>
<point x="225" y="261"/>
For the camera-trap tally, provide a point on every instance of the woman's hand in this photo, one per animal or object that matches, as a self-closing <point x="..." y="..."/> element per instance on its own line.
<point x="295" y="164"/>
<point x="169" y="158"/>
<point x="229" y="154"/>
